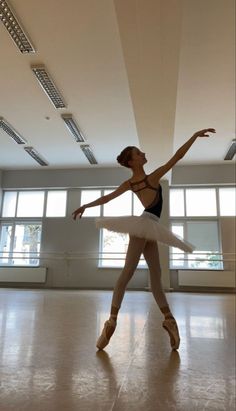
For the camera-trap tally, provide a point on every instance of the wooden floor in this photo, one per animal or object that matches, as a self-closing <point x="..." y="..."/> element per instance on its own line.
<point x="49" y="362"/>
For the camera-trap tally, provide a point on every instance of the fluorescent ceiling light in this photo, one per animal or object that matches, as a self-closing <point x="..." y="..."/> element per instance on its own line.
<point x="14" y="28"/>
<point x="48" y="86"/>
<point x="231" y="151"/>
<point x="35" y="155"/>
<point x="11" y="131"/>
<point x="88" y="153"/>
<point x="72" y="127"/>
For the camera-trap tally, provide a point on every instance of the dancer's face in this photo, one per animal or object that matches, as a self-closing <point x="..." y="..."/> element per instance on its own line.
<point x="138" y="157"/>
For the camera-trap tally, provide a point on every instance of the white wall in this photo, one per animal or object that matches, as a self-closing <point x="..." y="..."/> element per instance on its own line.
<point x="86" y="177"/>
<point x="204" y="174"/>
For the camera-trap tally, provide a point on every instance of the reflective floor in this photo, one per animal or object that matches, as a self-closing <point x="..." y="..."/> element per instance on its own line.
<point x="48" y="358"/>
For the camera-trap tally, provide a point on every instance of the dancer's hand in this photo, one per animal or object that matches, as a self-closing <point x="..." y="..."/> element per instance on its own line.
<point x="79" y="212"/>
<point x="202" y="133"/>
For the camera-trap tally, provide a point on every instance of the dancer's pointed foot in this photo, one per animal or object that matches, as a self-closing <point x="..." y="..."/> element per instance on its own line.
<point x="108" y="330"/>
<point x="171" y="327"/>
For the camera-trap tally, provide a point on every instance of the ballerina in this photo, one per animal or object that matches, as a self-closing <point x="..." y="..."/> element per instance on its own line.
<point x="145" y="232"/>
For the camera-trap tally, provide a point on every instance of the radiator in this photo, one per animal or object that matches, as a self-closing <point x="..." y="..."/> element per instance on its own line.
<point x="202" y="278"/>
<point x="23" y="274"/>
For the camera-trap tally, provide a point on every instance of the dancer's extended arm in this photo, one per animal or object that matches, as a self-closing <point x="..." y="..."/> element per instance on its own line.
<point x="102" y="200"/>
<point x="159" y="172"/>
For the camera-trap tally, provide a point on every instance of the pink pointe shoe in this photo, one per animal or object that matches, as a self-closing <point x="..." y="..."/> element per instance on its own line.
<point x="171" y="327"/>
<point x="108" y="330"/>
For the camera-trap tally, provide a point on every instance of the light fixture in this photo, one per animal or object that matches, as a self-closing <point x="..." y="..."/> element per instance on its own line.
<point x="14" y="28"/>
<point x="35" y="155"/>
<point x="11" y="131"/>
<point x="48" y="86"/>
<point x="72" y="127"/>
<point x="88" y="153"/>
<point x="231" y="151"/>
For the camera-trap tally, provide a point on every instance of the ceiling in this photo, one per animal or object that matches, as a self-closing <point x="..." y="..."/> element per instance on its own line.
<point x="132" y="72"/>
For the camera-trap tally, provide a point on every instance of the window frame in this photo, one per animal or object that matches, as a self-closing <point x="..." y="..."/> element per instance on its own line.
<point x="14" y="222"/>
<point x="184" y="219"/>
<point x="45" y="191"/>
<point x="46" y="202"/>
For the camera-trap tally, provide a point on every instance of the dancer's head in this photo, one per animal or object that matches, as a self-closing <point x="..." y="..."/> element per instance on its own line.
<point x="131" y="156"/>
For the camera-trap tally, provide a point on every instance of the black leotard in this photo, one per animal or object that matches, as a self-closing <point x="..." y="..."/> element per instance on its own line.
<point x="156" y="206"/>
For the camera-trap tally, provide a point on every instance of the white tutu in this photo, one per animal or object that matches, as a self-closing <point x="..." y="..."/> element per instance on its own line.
<point x="144" y="226"/>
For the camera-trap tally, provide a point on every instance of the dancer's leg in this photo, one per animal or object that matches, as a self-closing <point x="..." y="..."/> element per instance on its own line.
<point x="135" y="249"/>
<point x="151" y="255"/>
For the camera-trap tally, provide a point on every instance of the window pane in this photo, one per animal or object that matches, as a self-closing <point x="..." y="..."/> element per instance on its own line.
<point x="176" y="254"/>
<point x="56" y="204"/>
<point x="204" y="260"/>
<point x="138" y="207"/>
<point x="27" y="244"/>
<point x="114" y="248"/>
<point x="5" y="243"/>
<point x="201" y="202"/>
<point x="114" y="245"/>
<point x="30" y="204"/>
<point x="227" y="201"/>
<point x="87" y="196"/>
<point x="119" y="206"/>
<point x="176" y="202"/>
<point x="204" y="235"/>
<point x="9" y="204"/>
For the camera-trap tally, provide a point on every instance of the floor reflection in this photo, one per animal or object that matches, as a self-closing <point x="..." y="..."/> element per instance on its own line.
<point x="207" y="327"/>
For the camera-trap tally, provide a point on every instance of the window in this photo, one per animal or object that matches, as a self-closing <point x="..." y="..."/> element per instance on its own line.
<point x="5" y="243"/>
<point x="21" y="223"/>
<point x="195" y="216"/>
<point x="227" y="197"/>
<point x="204" y="235"/>
<point x="113" y="246"/>
<point x="9" y="204"/>
<point x="87" y="196"/>
<point x="56" y="203"/>
<point x="177" y="202"/>
<point x="20" y="244"/>
<point x="177" y="254"/>
<point x="32" y="203"/>
<point x="200" y="202"/>
<point x="119" y="206"/>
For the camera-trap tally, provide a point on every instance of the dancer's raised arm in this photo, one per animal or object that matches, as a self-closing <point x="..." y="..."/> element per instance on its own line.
<point x="159" y="172"/>
<point x="102" y="200"/>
